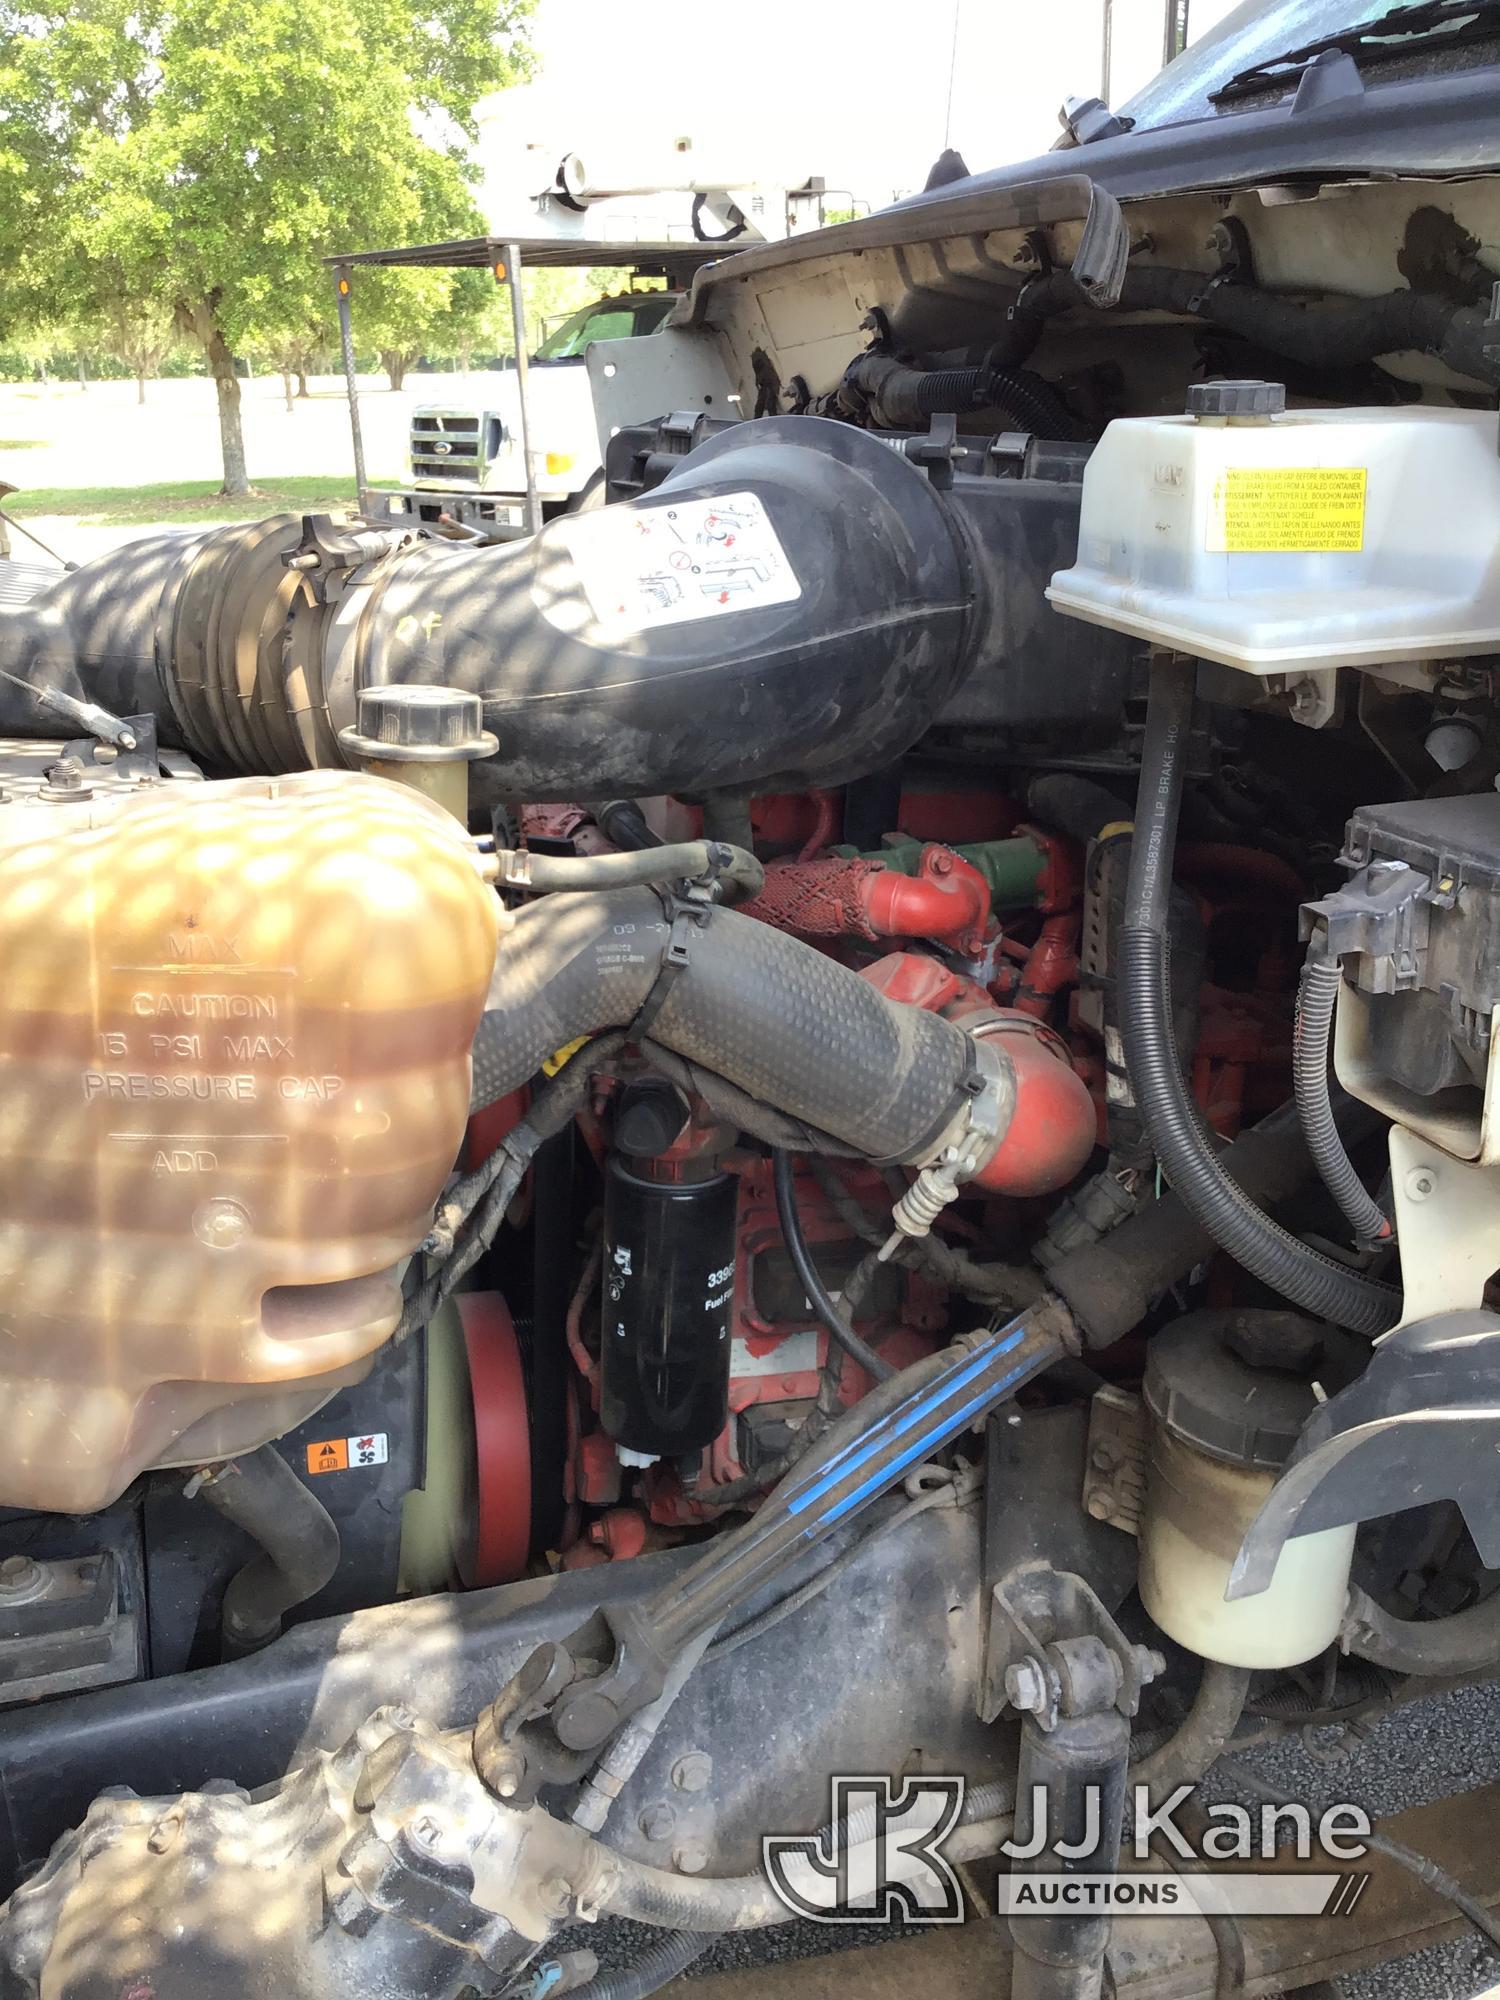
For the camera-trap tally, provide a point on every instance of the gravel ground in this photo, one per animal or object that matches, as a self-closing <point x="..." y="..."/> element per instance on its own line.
<point x="1423" y="1753"/>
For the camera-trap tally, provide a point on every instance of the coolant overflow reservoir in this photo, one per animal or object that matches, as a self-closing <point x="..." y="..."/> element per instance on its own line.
<point x="235" y="1023"/>
<point x="1300" y="539"/>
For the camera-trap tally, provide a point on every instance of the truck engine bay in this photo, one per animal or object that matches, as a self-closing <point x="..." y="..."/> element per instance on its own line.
<point x="844" y="1116"/>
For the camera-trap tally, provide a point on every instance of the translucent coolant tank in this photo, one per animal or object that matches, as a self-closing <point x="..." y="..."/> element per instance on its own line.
<point x="235" y="1023"/>
<point x="1277" y="540"/>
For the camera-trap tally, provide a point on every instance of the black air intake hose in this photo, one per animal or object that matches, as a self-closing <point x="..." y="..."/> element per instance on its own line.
<point x="1173" y="1125"/>
<point x="787" y="1025"/>
<point x="801" y="604"/>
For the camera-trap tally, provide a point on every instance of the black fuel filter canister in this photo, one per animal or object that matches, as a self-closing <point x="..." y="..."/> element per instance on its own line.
<point x="669" y="1256"/>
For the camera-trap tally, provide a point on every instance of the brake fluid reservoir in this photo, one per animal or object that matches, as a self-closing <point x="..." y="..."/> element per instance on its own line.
<point x="1272" y="539"/>
<point x="235" y="1023"/>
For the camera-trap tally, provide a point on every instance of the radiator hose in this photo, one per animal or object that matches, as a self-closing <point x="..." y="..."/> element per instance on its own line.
<point x="735" y="867"/>
<point x="902" y="397"/>
<point x="768" y="1013"/>
<point x="1465" y="1642"/>
<point x="299" y="1546"/>
<point x="1173" y="1125"/>
<point x="1330" y="333"/>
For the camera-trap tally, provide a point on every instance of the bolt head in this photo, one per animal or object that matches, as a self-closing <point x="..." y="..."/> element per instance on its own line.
<point x="1421" y="1182"/>
<point x="692" y="1771"/>
<point x="690" y="1857"/>
<point x="21" y="1576"/>
<point x="657" y="1821"/>
<point x="1026" y="1687"/>
<point x="556" y="1896"/>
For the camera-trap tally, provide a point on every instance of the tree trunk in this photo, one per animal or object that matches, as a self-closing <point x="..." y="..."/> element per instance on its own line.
<point x="83" y="380"/>
<point x="301" y="384"/>
<point x="286" y="389"/>
<point x="394" y="365"/>
<point x="227" y="383"/>
<point x="140" y="385"/>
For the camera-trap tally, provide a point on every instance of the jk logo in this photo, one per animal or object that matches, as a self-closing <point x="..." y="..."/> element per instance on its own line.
<point x="878" y="1860"/>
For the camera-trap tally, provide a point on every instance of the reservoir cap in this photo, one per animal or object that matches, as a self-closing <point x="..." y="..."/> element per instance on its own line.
<point x="1236" y="399"/>
<point x="413" y="723"/>
<point x="1238" y="1385"/>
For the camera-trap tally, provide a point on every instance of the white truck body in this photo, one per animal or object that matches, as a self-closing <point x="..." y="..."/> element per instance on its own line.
<point x="471" y="442"/>
<point x="660" y="210"/>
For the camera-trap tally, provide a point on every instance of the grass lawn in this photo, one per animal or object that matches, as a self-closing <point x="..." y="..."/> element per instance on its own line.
<point x="186" y="501"/>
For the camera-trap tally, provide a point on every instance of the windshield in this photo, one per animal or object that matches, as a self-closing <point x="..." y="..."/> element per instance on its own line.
<point x="1253" y="33"/>
<point x="606" y="319"/>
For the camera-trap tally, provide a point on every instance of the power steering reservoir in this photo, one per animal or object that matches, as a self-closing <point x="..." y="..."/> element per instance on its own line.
<point x="234" y="1072"/>
<point x="1227" y="1394"/>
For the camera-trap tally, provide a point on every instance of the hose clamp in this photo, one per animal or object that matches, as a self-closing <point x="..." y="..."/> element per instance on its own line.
<point x="972" y="1135"/>
<point x="981" y="1119"/>
<point x="687" y="911"/>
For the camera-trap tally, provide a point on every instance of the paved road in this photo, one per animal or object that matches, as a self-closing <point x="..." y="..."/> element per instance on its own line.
<point x="57" y="434"/>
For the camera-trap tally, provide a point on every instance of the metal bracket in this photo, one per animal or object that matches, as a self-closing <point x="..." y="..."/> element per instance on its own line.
<point x="330" y="549"/>
<point x="1421" y="1424"/>
<point x="1114" y="1482"/>
<point x="139" y="763"/>
<point x="936" y="452"/>
<point x="1053" y="1650"/>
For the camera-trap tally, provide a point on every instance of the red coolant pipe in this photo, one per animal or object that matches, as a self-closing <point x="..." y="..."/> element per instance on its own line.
<point x="946" y="898"/>
<point x="1053" y="1126"/>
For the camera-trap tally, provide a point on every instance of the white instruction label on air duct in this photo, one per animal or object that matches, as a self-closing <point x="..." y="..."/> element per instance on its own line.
<point x="664" y="565"/>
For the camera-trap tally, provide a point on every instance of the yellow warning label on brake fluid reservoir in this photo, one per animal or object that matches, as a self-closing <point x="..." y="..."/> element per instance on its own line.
<point x="1287" y="509"/>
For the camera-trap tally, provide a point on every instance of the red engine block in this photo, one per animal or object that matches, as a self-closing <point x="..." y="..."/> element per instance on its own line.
<point x="779" y="1348"/>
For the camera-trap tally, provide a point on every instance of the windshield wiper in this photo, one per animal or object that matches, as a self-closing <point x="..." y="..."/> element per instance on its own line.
<point x="1448" y="23"/>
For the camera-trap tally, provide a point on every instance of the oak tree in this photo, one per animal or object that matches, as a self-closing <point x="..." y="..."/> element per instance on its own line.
<point x="207" y="154"/>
